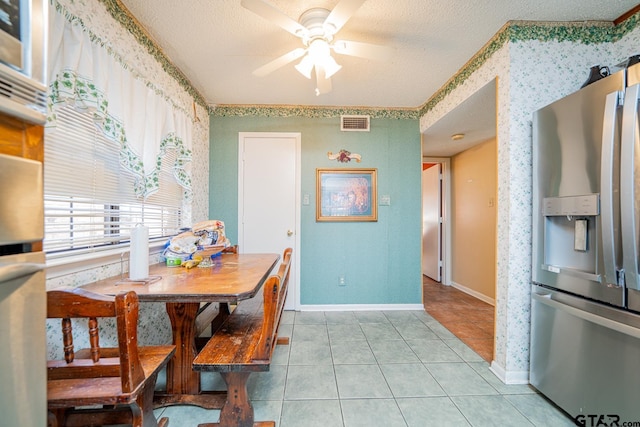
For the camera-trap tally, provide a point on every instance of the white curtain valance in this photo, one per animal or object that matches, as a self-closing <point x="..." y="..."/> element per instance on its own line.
<point x="85" y="74"/>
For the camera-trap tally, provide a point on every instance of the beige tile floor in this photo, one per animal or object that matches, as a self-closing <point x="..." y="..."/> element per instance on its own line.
<point x="391" y="368"/>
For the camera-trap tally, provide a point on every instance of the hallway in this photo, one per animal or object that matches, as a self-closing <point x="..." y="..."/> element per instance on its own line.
<point x="468" y="318"/>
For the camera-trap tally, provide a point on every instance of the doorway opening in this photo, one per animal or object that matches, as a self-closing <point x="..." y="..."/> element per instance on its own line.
<point x="432" y="224"/>
<point x="459" y="241"/>
<point x="463" y="143"/>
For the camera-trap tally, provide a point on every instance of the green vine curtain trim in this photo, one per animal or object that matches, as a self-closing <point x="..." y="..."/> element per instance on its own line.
<point x="68" y="88"/>
<point x="75" y="20"/>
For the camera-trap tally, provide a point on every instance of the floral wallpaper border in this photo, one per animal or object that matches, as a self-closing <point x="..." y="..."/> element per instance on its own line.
<point x="519" y="31"/>
<point x="310" y="111"/>
<point x="589" y="32"/>
<point x="121" y="14"/>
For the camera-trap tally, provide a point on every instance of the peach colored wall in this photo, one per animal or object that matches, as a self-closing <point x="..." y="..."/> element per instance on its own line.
<point x="473" y="205"/>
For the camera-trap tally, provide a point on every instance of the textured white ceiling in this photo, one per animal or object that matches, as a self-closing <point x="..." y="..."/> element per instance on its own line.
<point x="475" y="118"/>
<point x="218" y="43"/>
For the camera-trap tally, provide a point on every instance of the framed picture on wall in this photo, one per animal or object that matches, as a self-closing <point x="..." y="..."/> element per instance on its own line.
<point x="346" y="195"/>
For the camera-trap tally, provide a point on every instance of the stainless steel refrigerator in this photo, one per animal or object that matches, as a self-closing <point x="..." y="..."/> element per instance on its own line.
<point x="23" y="359"/>
<point x="585" y="325"/>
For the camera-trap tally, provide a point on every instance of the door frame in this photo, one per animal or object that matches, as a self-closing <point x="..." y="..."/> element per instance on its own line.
<point x="297" y="136"/>
<point x="445" y="165"/>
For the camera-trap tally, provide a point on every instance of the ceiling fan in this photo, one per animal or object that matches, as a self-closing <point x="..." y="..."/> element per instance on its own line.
<point x="316" y="27"/>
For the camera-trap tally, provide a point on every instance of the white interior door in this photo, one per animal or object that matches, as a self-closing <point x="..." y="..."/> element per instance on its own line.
<point x="431" y="223"/>
<point x="268" y="198"/>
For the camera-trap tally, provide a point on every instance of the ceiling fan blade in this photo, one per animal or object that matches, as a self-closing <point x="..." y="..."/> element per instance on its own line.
<point x="271" y="13"/>
<point x="323" y="84"/>
<point x="279" y="62"/>
<point x="362" y="50"/>
<point x="341" y="13"/>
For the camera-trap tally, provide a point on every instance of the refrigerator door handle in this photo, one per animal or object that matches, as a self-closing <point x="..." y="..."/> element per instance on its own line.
<point x="606" y="192"/>
<point x="590" y="317"/>
<point x="628" y="177"/>
<point x="14" y="271"/>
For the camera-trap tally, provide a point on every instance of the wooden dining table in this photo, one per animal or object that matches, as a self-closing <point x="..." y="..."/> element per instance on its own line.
<point x="231" y="278"/>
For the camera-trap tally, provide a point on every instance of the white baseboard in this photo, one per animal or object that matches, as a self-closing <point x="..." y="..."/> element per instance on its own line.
<point x="473" y="293"/>
<point x="361" y="307"/>
<point x="509" y="377"/>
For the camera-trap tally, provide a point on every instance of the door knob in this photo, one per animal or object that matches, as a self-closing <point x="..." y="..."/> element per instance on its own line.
<point x="289" y="233"/>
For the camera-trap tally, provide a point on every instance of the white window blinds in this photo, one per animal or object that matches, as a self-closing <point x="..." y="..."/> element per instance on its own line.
<point x="90" y="203"/>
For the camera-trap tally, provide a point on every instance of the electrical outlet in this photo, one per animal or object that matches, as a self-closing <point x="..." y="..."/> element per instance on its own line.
<point x="341" y="281"/>
<point x="385" y="200"/>
<point x="305" y="199"/>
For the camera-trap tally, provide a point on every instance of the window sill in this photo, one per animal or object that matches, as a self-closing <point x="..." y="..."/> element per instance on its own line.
<point x="62" y="266"/>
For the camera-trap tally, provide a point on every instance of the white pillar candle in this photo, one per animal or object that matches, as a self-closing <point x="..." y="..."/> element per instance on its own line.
<point x="139" y="253"/>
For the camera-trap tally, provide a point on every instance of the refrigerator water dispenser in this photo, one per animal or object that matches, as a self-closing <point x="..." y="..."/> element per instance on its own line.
<point x="569" y="233"/>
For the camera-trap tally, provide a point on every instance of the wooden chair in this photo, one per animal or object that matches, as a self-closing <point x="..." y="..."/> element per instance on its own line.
<point x="113" y="385"/>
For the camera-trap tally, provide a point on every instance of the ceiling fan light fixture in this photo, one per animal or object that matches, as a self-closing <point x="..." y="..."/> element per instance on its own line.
<point x="305" y="66"/>
<point x="331" y="67"/>
<point x="319" y="50"/>
<point x="316" y="27"/>
<point x="318" y="56"/>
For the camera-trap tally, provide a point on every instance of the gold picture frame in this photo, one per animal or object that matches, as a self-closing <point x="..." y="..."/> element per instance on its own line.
<point x="346" y="195"/>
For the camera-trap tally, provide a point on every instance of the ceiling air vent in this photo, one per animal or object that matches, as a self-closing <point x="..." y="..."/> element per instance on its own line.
<point x="354" y="123"/>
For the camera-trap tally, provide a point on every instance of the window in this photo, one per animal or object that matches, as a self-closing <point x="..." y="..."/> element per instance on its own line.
<point x="90" y="203"/>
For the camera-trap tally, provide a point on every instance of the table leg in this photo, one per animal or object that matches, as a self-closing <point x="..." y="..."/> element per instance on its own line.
<point x="223" y="313"/>
<point x="181" y="378"/>
<point x="183" y="383"/>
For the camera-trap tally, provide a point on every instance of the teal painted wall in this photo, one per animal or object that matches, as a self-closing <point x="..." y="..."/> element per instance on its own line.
<point x="379" y="260"/>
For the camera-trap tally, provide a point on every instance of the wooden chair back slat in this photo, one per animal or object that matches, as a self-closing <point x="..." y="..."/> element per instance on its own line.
<point x="94" y="339"/>
<point x="67" y="339"/>
<point x="274" y="298"/>
<point x="61" y="370"/>
<point x="283" y="273"/>
<point x="127" y="320"/>
<point x="78" y="303"/>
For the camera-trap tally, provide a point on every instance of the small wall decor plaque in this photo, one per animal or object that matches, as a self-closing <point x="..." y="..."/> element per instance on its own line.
<point x="344" y="156"/>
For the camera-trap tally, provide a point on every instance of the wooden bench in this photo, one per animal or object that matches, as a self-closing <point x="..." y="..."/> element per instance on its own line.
<point x="244" y="344"/>
<point x="112" y="385"/>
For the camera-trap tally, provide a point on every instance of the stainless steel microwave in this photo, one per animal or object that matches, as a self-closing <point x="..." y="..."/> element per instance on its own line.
<point x="23" y="67"/>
